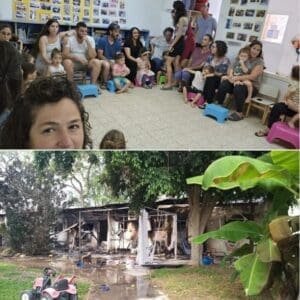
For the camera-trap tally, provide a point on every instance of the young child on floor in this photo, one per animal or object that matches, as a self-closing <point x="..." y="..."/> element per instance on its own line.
<point x="163" y="69"/>
<point x="113" y="139"/>
<point x="240" y="67"/>
<point x="144" y="76"/>
<point x="119" y="73"/>
<point x="198" y="83"/>
<point x="56" y="68"/>
<point x="29" y="74"/>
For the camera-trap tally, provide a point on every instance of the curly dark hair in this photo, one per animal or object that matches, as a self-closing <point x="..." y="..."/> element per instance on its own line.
<point x="15" y="132"/>
<point x="179" y="11"/>
<point x="221" y="48"/>
<point x="10" y="75"/>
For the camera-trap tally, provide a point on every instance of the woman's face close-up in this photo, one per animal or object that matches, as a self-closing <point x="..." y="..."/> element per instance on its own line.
<point x="213" y="48"/>
<point x="5" y="34"/>
<point x="53" y="28"/>
<point x="135" y="34"/>
<point x="255" y="51"/>
<point x="57" y="126"/>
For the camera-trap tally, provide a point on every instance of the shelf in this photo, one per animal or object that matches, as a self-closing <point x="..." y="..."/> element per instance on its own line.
<point x="33" y="28"/>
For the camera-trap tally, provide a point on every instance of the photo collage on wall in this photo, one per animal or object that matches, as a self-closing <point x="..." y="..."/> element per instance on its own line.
<point x="96" y="12"/>
<point x="245" y="20"/>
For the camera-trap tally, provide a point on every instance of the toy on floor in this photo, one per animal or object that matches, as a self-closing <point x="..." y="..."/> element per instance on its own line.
<point x="217" y="111"/>
<point x="162" y="79"/>
<point x="88" y="90"/>
<point x="282" y="131"/>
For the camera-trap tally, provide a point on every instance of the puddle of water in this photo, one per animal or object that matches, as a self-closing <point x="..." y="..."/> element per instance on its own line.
<point x="123" y="284"/>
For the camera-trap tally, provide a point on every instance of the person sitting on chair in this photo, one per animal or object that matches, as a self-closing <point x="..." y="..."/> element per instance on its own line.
<point x="80" y="54"/>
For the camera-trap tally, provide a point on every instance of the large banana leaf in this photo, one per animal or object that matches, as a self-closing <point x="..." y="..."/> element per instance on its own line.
<point x="240" y="171"/>
<point x="268" y="251"/>
<point x="233" y="231"/>
<point x="254" y="273"/>
<point x="287" y="159"/>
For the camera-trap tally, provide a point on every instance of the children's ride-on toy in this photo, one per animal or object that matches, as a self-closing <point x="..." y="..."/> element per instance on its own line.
<point x="61" y="289"/>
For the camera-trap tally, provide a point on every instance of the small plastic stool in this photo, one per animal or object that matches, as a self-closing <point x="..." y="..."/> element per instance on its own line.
<point x="162" y="79"/>
<point x="217" y="111"/>
<point x="111" y="87"/>
<point x="88" y="90"/>
<point x="281" y="130"/>
<point x="191" y="95"/>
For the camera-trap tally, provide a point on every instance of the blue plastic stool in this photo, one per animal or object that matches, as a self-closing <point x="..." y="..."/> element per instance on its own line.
<point x="217" y="111"/>
<point x="88" y="90"/>
<point x="111" y="87"/>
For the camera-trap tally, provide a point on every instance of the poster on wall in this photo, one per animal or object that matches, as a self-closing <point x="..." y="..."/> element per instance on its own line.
<point x="244" y="20"/>
<point x="92" y="12"/>
<point x="274" y="28"/>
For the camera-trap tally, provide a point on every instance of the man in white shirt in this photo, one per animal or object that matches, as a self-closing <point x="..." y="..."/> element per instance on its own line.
<point x="80" y="54"/>
<point x="159" y="45"/>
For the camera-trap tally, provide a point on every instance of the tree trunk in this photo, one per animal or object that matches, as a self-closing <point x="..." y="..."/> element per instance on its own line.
<point x="207" y="206"/>
<point x="198" y="217"/>
<point x="193" y="223"/>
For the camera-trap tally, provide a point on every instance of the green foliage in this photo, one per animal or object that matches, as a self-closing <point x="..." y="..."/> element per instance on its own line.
<point x="142" y="176"/>
<point x="233" y="231"/>
<point x="277" y="172"/>
<point x="31" y="203"/>
<point x="268" y="251"/>
<point x="245" y="172"/>
<point x="254" y="273"/>
<point x="79" y="170"/>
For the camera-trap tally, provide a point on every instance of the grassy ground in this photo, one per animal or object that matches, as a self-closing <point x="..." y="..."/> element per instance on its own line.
<point x="15" y="279"/>
<point x="203" y="282"/>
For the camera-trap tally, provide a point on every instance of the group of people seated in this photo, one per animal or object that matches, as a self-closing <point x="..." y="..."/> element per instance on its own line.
<point x="201" y="68"/>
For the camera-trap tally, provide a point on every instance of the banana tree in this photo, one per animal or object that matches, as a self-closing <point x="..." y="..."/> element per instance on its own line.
<point x="266" y="255"/>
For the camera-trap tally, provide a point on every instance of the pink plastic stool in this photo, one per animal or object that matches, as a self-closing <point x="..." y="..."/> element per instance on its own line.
<point x="282" y="131"/>
<point x="191" y="95"/>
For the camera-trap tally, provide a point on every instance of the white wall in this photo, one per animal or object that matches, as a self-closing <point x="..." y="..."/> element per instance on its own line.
<point x="145" y="14"/>
<point x="280" y="58"/>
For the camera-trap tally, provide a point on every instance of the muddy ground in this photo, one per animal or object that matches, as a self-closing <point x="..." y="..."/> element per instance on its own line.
<point x="112" y="277"/>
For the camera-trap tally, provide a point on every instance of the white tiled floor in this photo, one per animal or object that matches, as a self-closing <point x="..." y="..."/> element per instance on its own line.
<point x="155" y="119"/>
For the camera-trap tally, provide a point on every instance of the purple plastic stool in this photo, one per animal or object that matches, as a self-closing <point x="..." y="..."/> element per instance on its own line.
<point x="282" y="131"/>
<point x="191" y="95"/>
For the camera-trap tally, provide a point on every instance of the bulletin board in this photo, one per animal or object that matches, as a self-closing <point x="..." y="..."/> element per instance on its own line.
<point x="245" y="20"/>
<point x="100" y="12"/>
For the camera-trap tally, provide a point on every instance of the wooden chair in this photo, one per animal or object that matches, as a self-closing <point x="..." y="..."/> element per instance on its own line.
<point x="79" y="77"/>
<point x="266" y="98"/>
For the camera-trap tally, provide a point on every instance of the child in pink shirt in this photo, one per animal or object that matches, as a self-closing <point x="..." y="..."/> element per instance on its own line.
<point x="119" y="73"/>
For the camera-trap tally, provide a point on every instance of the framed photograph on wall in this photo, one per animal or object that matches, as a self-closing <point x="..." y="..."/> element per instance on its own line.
<point x="230" y="35"/>
<point x="239" y="13"/>
<point x="241" y="37"/>
<point x="250" y="13"/>
<point x="248" y="26"/>
<point x="261" y="13"/>
<point x="252" y="38"/>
